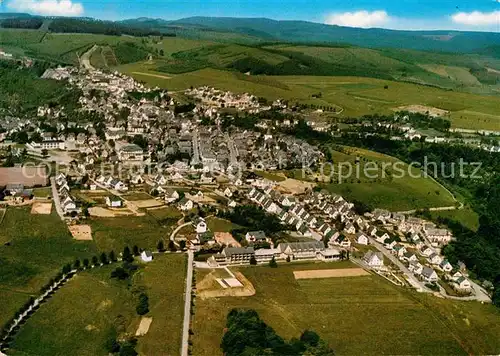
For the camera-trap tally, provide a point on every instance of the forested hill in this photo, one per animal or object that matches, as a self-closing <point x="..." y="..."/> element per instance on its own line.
<point x="263" y="29"/>
<point x="302" y="31"/>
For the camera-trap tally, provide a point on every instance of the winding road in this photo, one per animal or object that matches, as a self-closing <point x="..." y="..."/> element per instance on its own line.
<point x="85" y="58"/>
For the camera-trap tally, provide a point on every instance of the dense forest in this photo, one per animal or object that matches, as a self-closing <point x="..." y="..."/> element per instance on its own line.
<point x="247" y="334"/>
<point x="22" y="90"/>
<point x="100" y="27"/>
<point x="28" y="23"/>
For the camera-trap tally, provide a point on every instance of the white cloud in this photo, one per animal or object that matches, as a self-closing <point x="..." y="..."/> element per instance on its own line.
<point x="363" y="18"/>
<point x="477" y="18"/>
<point x="47" y="7"/>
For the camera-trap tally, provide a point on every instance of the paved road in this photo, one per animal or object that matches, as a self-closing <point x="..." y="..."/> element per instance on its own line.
<point x="419" y="286"/>
<point x="55" y="197"/>
<point x="187" y="305"/>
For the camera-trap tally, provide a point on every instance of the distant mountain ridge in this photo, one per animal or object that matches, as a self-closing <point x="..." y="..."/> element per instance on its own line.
<point x="303" y="31"/>
<point x="268" y="30"/>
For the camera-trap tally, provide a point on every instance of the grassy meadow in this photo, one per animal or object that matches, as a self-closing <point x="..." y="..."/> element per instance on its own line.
<point x="355" y="178"/>
<point x="357" y="315"/>
<point x="33" y="249"/>
<point x="355" y="96"/>
<point x="92" y="308"/>
<point x="118" y="232"/>
<point x="163" y="280"/>
<point x="80" y="318"/>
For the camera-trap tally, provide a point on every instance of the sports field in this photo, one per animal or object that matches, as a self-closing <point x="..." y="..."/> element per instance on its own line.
<point x="356" y="316"/>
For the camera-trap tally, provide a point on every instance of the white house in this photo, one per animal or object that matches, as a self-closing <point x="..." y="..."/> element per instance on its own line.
<point x="350" y="229"/>
<point x="146" y="256"/>
<point x="381" y="236"/>
<point x="160" y="179"/>
<point x="462" y="284"/>
<point x="445" y="266"/>
<point x="415" y="267"/>
<point x="343" y="241"/>
<point x="113" y="202"/>
<point x="171" y="195"/>
<point x="429" y="275"/>
<point x="200" y="225"/>
<point x="186" y="204"/>
<point x="228" y="192"/>
<point x="374" y="259"/>
<point x="435" y="259"/>
<point x="399" y="250"/>
<point x="409" y="256"/>
<point x="256" y="236"/>
<point x="426" y="251"/>
<point x="361" y="238"/>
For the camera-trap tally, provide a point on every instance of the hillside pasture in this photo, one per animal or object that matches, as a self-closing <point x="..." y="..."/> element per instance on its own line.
<point x="81" y="318"/>
<point x="353" y="96"/>
<point x="376" y="180"/>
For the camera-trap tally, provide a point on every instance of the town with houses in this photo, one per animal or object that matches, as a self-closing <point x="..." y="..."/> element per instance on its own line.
<point x="186" y="158"/>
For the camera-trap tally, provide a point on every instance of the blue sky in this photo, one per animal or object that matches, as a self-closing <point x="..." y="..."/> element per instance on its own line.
<point x="476" y="15"/>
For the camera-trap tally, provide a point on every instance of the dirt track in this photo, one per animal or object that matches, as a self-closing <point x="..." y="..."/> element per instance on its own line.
<point x="330" y="273"/>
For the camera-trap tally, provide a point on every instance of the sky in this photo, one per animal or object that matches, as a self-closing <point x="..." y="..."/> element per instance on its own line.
<point x="474" y="15"/>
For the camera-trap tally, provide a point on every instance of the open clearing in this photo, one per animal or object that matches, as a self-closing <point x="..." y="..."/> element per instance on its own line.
<point x="142" y="204"/>
<point x="354" y="315"/>
<point x="330" y="273"/>
<point x="421" y="109"/>
<point x="117" y="232"/>
<point x="295" y="186"/>
<point x="99" y="212"/>
<point x="81" y="232"/>
<point x="41" y="208"/>
<point x="386" y="191"/>
<point x="212" y="286"/>
<point x="152" y="75"/>
<point x="163" y="281"/>
<point x="144" y="326"/>
<point x="80" y="318"/>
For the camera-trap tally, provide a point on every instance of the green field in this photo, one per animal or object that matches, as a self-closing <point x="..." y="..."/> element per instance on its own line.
<point x="163" y="280"/>
<point x="357" y="315"/>
<point x="92" y="308"/>
<point x="355" y="96"/>
<point x="80" y="317"/>
<point x="467" y="217"/>
<point x="221" y="225"/>
<point x="118" y="232"/>
<point x="381" y="187"/>
<point x="33" y="249"/>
